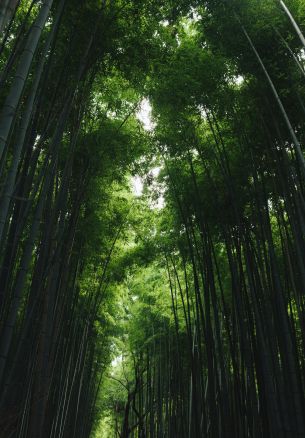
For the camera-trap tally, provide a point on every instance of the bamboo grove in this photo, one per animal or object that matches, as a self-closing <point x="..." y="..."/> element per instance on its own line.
<point x="179" y="312"/>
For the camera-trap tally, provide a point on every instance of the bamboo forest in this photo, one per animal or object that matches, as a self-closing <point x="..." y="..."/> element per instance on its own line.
<point x="152" y="219"/>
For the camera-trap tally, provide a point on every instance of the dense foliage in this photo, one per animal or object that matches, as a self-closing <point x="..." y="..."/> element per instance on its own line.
<point x="179" y="312"/>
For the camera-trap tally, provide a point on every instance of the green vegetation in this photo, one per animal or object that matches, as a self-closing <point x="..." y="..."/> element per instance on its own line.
<point x="152" y="219"/>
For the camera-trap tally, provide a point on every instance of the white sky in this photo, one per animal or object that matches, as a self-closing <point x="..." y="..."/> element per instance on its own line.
<point x="116" y="361"/>
<point x="239" y="79"/>
<point x="137" y="185"/>
<point x="144" y="116"/>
